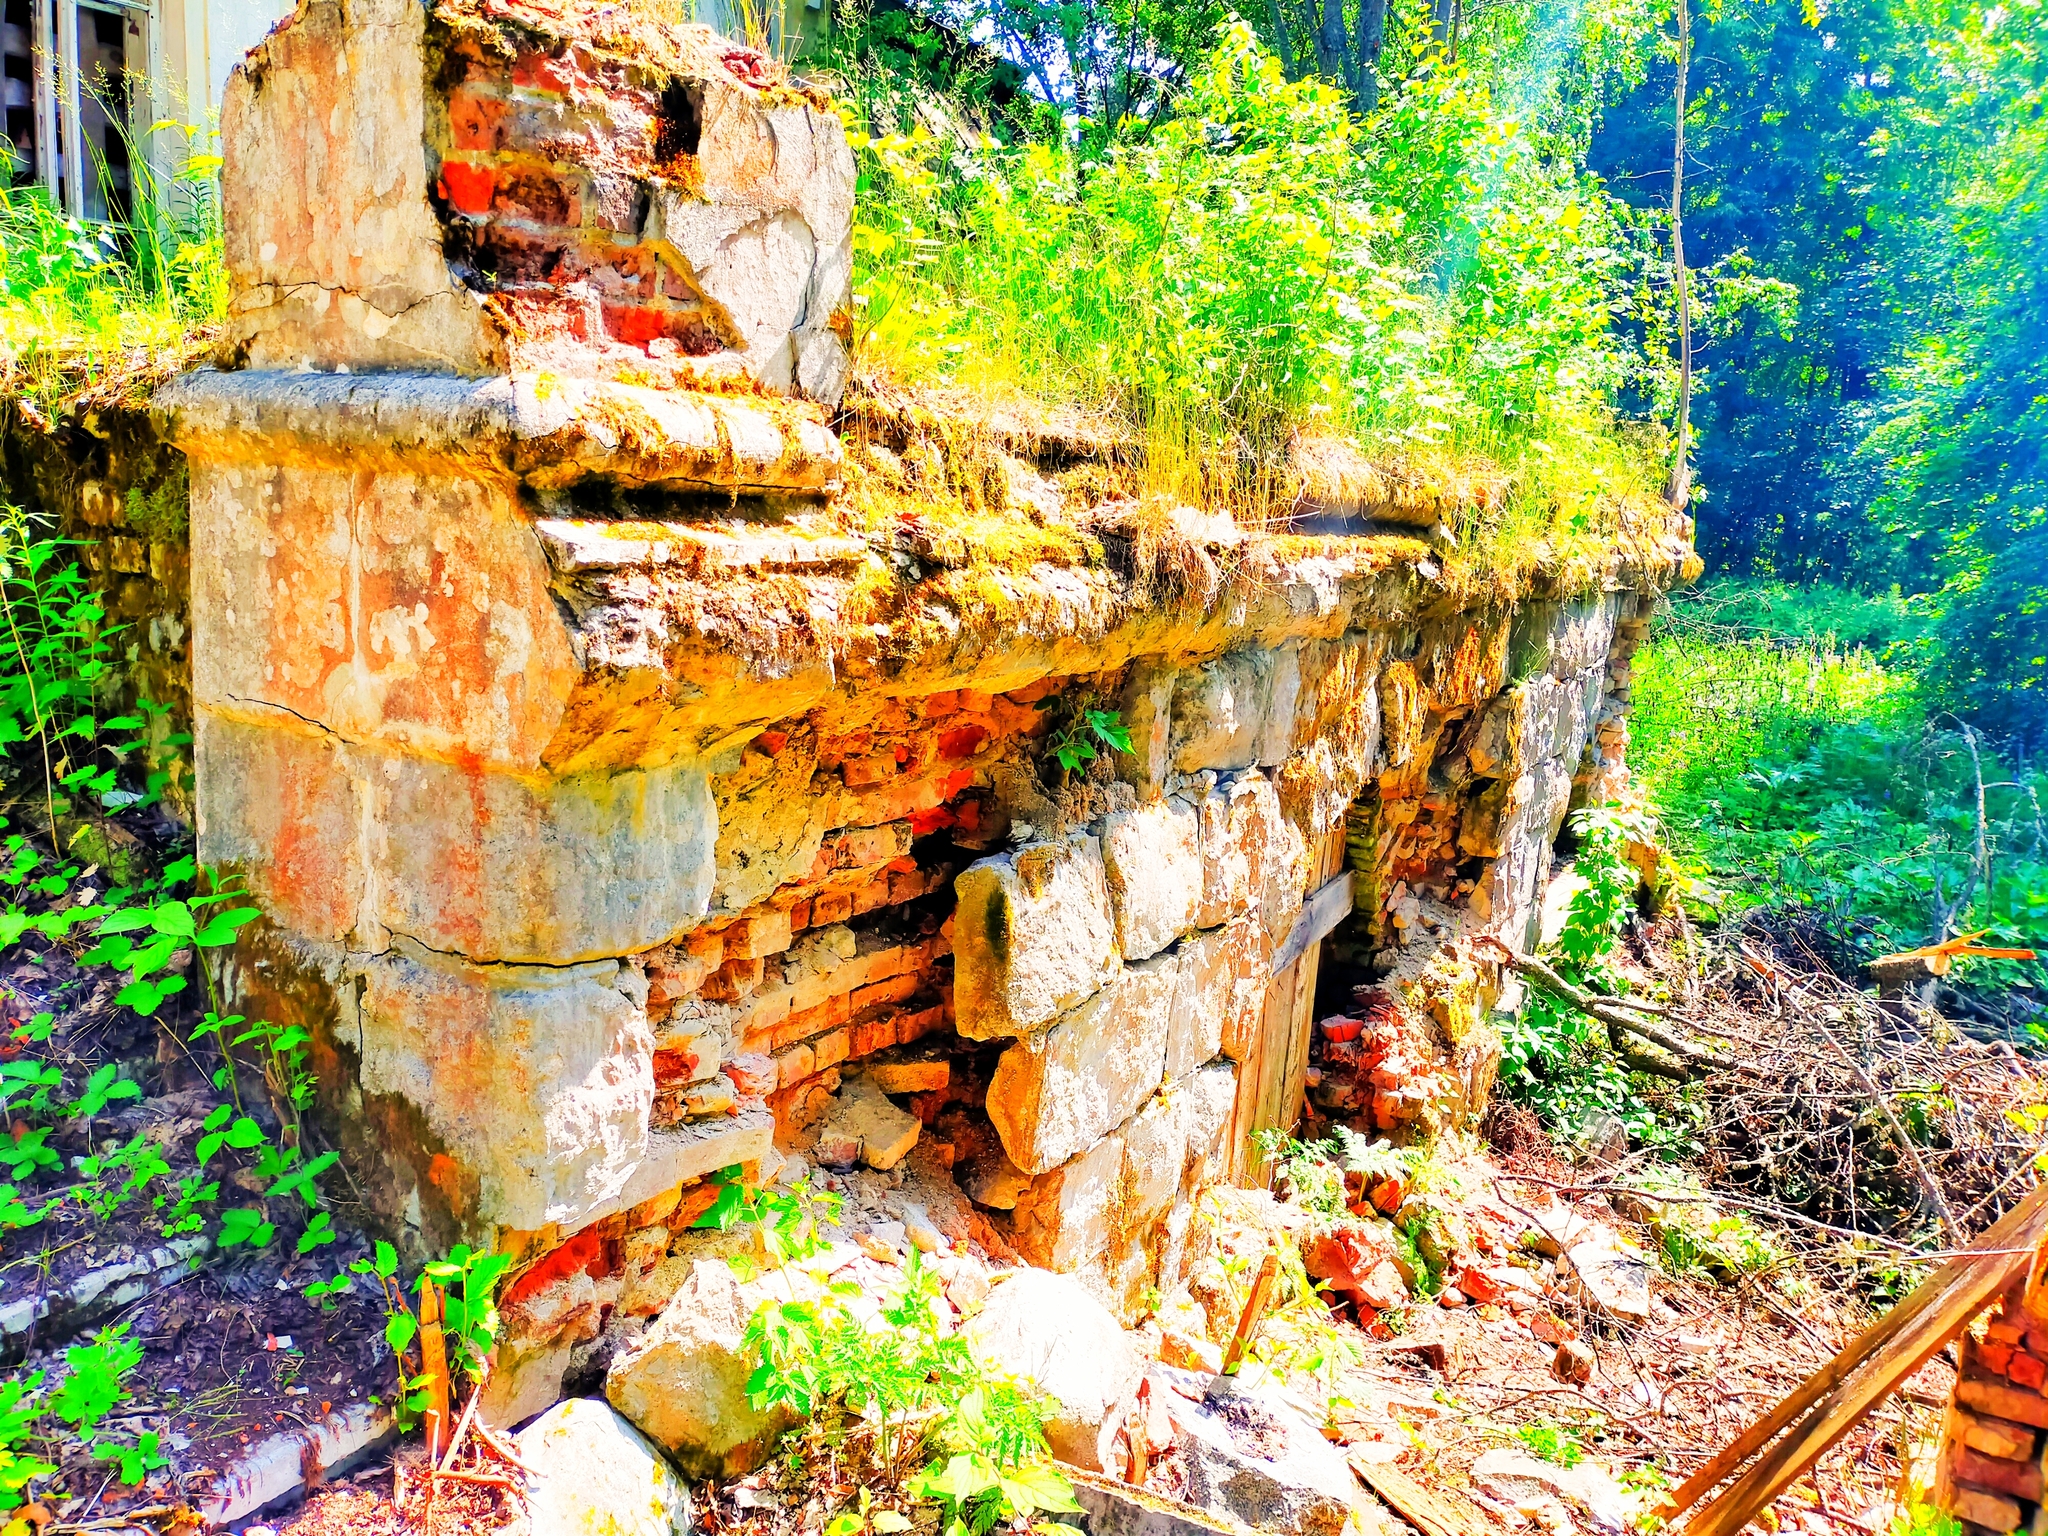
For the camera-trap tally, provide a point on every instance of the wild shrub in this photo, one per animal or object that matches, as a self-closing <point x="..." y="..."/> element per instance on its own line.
<point x="1556" y="1057"/>
<point x="1261" y="264"/>
<point x="917" y="1388"/>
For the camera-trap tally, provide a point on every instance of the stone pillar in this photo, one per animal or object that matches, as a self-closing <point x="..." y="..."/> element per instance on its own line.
<point x="477" y="272"/>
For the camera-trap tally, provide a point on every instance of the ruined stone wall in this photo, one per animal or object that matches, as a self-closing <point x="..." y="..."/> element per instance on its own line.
<point x="646" y="770"/>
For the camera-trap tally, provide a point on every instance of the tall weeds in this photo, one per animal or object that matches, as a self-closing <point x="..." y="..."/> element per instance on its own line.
<point x="84" y="303"/>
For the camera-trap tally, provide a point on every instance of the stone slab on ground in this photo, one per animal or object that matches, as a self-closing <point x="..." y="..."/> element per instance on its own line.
<point x="592" y="1471"/>
<point x="282" y="1465"/>
<point x="1610" y="1275"/>
<point x="684" y="1384"/>
<point x="1251" y="1459"/>
<point x="1587" y="1487"/>
<point x="1113" y="1508"/>
<point x="1046" y="1328"/>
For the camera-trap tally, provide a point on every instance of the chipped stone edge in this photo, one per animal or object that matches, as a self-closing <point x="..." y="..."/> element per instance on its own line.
<point x="294" y="1461"/>
<point x="551" y="431"/>
<point x="99" y="1291"/>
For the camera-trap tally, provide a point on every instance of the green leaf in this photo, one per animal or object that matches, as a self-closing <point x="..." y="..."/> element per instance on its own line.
<point x="400" y="1329"/>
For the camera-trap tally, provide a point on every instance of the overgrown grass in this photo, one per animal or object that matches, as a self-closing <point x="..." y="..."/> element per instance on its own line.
<point x="84" y="305"/>
<point x="1790" y="769"/>
<point x="1265" y="267"/>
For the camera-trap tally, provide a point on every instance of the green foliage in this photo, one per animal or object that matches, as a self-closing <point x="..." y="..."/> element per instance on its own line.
<point x="79" y="298"/>
<point x="1559" y="1443"/>
<point x="1789" y="771"/>
<point x="1918" y="1519"/>
<point x="1313" y="1171"/>
<point x="1089" y="733"/>
<point x="1259" y="262"/>
<point x="918" y="1387"/>
<point x="1699" y="1240"/>
<point x="469" y="1284"/>
<point x="20" y="1408"/>
<point x="55" y="658"/>
<point x="1554" y="1056"/>
<point x="1888" y="159"/>
<point x="788" y="1218"/>
<point x="94" y="1385"/>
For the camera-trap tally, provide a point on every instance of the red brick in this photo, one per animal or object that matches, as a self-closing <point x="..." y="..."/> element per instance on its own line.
<point x="2002" y="1332"/>
<point x="476" y="121"/>
<point x="1995" y="1357"/>
<point x="830" y="1049"/>
<point x="915" y="1026"/>
<point x="811" y="1021"/>
<point x="800" y="917"/>
<point x="2021" y="1479"/>
<point x="2026" y="1371"/>
<point x="962" y="741"/>
<point x="674" y="1067"/>
<point x="467" y="188"/>
<point x="872" y="896"/>
<point x="937" y="705"/>
<point x="2004" y="1402"/>
<point x="2037" y="1342"/>
<point x="733" y="981"/>
<point x="976" y="701"/>
<point x="1033" y="692"/>
<point x="869" y="1035"/>
<point x="794" y="1065"/>
<point x="895" y="989"/>
<point x="587" y="1253"/>
<point x="537" y="196"/>
<point x="637" y="325"/>
<point x="544" y="72"/>
<point x="829" y="907"/>
<point x="758" y="934"/>
<point x="860" y="772"/>
<point x="905" y="887"/>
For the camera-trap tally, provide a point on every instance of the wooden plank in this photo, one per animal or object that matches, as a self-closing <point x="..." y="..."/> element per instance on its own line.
<point x="1328" y="907"/>
<point x="2002" y="1235"/>
<point x="1953" y="1296"/>
<point x="1431" y="1513"/>
<point x="1294" y="1093"/>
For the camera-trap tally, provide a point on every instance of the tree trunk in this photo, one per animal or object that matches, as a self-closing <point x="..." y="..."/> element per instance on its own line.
<point x="1679" y="489"/>
<point x="1442" y="14"/>
<point x="1330" y="42"/>
<point x="1280" y="42"/>
<point x="1372" y="38"/>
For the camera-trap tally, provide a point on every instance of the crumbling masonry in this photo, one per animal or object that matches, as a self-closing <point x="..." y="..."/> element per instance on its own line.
<point x="623" y="797"/>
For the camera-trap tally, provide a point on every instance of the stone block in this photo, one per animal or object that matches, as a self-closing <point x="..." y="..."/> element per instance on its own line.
<point x="283" y="808"/>
<point x="1236" y="711"/>
<point x="462" y="859"/>
<point x="1562" y="638"/>
<point x="1226" y="870"/>
<point x="1218" y="999"/>
<point x="536" y="1082"/>
<point x="880" y="1134"/>
<point x="1152" y="858"/>
<point x="1047" y="1330"/>
<point x="1146" y="705"/>
<point x="411" y="609"/>
<point x="500" y="867"/>
<point x="589" y="1469"/>
<point x="1171" y="1145"/>
<point x="1033" y="937"/>
<point x="1059" y="1092"/>
<point x="684" y="1383"/>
